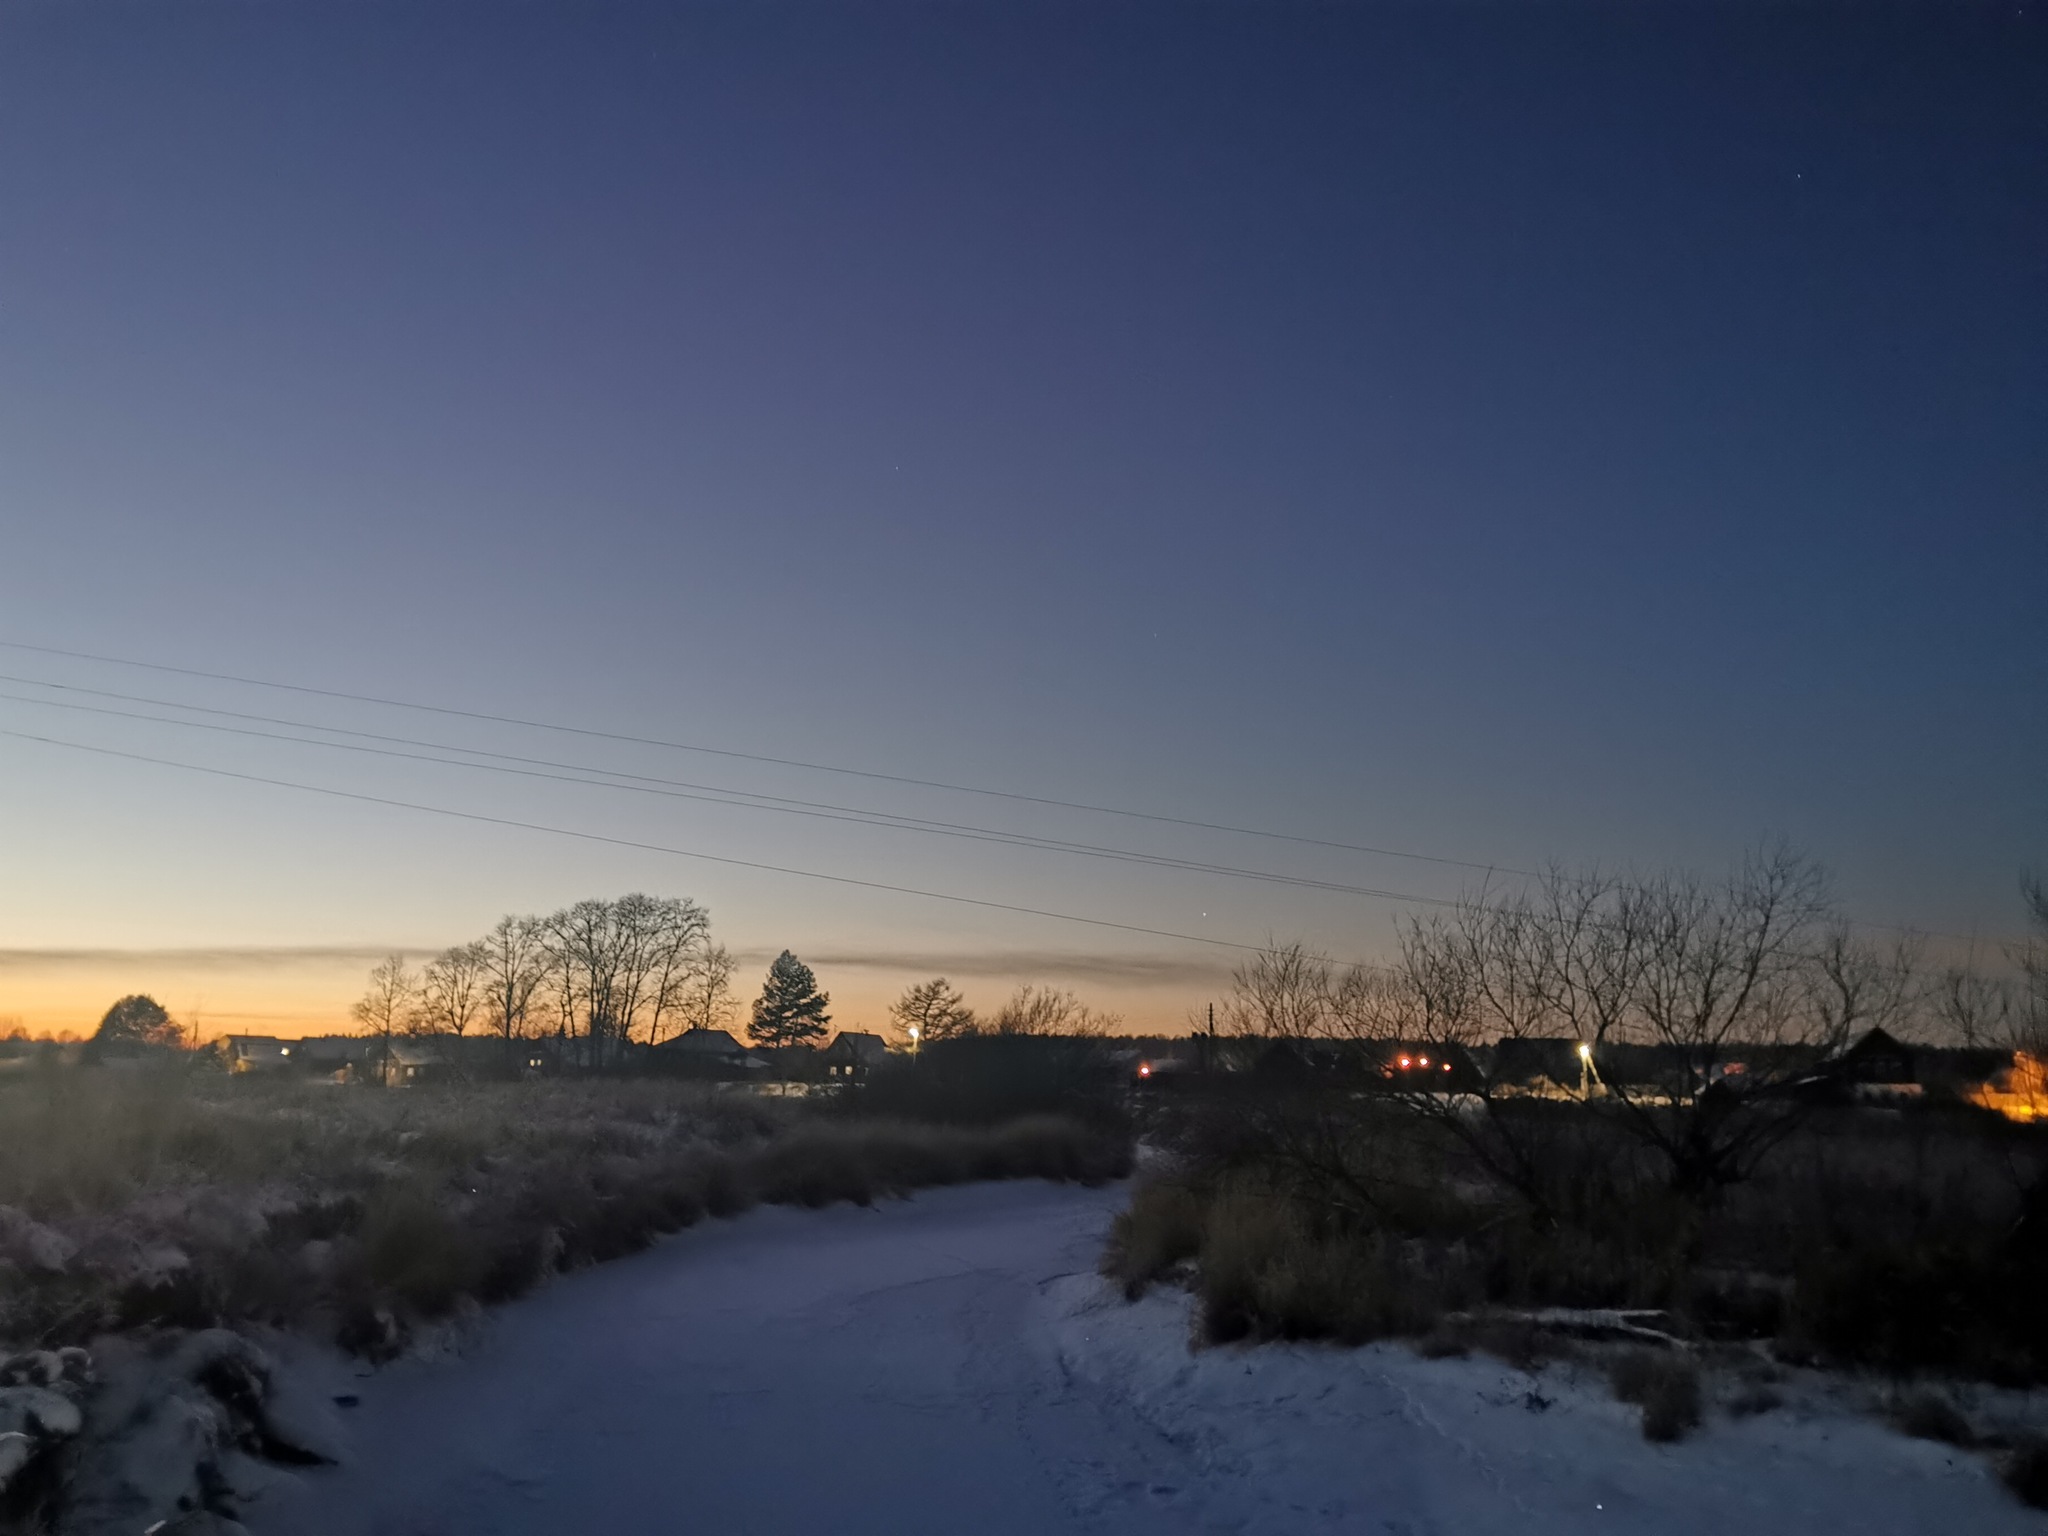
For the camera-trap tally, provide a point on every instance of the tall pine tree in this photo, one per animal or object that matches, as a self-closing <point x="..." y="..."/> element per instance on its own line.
<point x="790" y="1009"/>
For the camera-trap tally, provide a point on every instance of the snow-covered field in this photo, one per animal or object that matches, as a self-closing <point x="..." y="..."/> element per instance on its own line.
<point x="950" y="1364"/>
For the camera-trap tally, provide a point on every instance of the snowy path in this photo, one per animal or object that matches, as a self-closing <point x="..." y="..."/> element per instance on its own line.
<point x="950" y="1365"/>
<point x="817" y="1372"/>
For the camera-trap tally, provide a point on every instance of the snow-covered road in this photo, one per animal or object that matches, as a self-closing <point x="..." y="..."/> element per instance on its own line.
<point x="950" y="1365"/>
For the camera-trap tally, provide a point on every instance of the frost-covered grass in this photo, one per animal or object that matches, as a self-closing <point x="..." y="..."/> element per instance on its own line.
<point x="142" y="1199"/>
<point x="1899" y="1244"/>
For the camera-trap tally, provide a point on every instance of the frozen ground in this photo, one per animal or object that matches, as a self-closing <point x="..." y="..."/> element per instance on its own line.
<point x="950" y="1365"/>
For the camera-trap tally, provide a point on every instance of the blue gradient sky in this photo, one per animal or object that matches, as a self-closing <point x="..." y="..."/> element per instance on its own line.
<point x="1505" y="433"/>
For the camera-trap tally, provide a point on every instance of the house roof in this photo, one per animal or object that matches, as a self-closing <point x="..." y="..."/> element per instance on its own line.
<point x="705" y="1042"/>
<point x="332" y="1049"/>
<point x="862" y="1045"/>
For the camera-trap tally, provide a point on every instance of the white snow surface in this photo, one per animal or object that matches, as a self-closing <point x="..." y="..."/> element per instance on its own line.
<point x="951" y="1364"/>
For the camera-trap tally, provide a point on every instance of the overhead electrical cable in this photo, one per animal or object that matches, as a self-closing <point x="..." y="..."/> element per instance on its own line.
<point x="757" y="800"/>
<point x="645" y="847"/>
<point x="758" y="757"/>
<point x="855" y="817"/>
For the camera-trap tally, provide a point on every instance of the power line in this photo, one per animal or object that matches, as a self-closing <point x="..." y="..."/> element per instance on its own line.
<point x="826" y="813"/>
<point x="824" y="809"/>
<point x="627" y="842"/>
<point x="756" y="757"/>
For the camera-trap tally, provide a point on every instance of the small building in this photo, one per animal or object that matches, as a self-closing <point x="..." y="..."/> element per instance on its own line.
<point x="1878" y="1069"/>
<point x="852" y="1055"/>
<point x="257" y="1053"/>
<point x="1543" y="1067"/>
<point x="408" y="1063"/>
<point x="710" y="1044"/>
<point x="704" y="1053"/>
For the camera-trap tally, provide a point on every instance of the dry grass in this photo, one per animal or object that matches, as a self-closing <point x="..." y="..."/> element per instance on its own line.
<point x="1910" y="1245"/>
<point x="135" y="1200"/>
<point x="1266" y="1269"/>
<point x="1161" y="1228"/>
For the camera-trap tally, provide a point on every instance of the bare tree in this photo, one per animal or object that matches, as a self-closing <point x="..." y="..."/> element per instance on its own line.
<point x="1725" y="997"/>
<point x="705" y="1000"/>
<point x="558" y="992"/>
<point x="2031" y="956"/>
<point x="1429" y="1032"/>
<point x="1050" y="1011"/>
<point x="1281" y="993"/>
<point x="1697" y="1005"/>
<point x="1856" y="986"/>
<point x="680" y="937"/>
<point x="931" y="1011"/>
<point x="1975" y="1009"/>
<point x="454" y="989"/>
<point x="514" y="962"/>
<point x="387" y="1006"/>
<point x="620" y="967"/>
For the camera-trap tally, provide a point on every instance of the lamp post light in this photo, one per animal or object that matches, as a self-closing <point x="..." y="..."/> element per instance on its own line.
<point x="1585" y="1070"/>
<point x="915" y="1035"/>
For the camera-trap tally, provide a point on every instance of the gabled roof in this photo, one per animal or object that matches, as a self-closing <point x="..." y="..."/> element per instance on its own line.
<point x="861" y="1045"/>
<point x="705" y="1042"/>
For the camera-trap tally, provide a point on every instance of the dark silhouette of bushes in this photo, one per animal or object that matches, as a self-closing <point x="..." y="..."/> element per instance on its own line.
<point x="987" y="1079"/>
<point x="1894" y="1243"/>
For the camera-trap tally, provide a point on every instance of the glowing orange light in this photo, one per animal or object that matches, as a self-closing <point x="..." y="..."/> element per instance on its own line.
<point x="1404" y="1061"/>
<point x="1144" y="1069"/>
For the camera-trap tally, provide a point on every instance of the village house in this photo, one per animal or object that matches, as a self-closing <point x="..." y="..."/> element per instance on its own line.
<point x="257" y="1053"/>
<point x="1881" y="1070"/>
<point x="408" y="1063"/>
<point x="707" y="1053"/>
<point x="852" y="1055"/>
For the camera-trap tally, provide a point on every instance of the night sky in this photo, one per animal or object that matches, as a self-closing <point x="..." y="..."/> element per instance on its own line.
<point x="1495" y="433"/>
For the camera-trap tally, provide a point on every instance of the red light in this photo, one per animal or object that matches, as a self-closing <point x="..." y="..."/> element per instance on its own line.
<point x="1404" y="1061"/>
<point x="1145" y="1069"/>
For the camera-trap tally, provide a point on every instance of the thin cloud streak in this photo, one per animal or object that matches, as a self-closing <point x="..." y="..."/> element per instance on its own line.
<point x="246" y="957"/>
<point x="1140" y="970"/>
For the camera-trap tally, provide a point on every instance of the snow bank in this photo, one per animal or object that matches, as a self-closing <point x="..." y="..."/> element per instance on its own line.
<point x="1293" y="1438"/>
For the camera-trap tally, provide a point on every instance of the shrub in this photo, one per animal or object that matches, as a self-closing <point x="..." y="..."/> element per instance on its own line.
<point x="413" y="1250"/>
<point x="1161" y="1228"/>
<point x="1755" y="1399"/>
<point x="1665" y="1386"/>
<point x="1444" y="1343"/>
<point x="1930" y="1416"/>
<point x="993" y="1079"/>
<point x="1514" y="1341"/>
<point x="1268" y="1270"/>
<point x="2025" y="1472"/>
